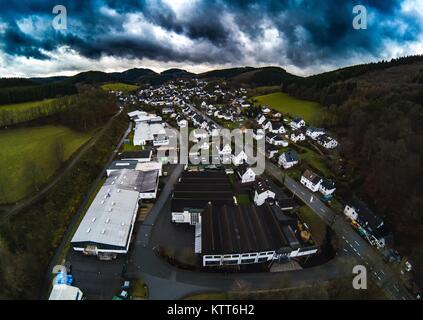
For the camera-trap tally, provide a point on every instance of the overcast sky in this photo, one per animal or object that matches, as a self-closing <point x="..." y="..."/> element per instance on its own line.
<point x="304" y="37"/>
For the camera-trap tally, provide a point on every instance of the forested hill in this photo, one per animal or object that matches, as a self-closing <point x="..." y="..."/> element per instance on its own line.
<point x="378" y="114"/>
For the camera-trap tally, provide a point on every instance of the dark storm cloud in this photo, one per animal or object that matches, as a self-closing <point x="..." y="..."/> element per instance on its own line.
<point x="314" y="32"/>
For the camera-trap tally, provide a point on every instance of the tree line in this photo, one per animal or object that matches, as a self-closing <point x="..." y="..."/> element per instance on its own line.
<point x="377" y="112"/>
<point x="25" y="93"/>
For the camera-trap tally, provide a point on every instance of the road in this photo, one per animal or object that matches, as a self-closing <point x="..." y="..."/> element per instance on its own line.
<point x="10" y="211"/>
<point x="380" y="272"/>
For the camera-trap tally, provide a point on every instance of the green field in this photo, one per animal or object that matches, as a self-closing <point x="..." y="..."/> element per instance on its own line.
<point x="118" y="86"/>
<point x="310" y="111"/>
<point x="21" y="112"/>
<point x="29" y="157"/>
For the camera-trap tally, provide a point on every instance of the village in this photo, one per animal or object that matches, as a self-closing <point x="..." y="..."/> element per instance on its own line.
<point x="221" y="216"/>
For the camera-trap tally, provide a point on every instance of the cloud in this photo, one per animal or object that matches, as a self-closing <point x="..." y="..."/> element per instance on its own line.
<point x="304" y="36"/>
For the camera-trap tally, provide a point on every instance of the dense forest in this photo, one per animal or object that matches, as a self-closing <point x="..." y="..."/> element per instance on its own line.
<point x="81" y="112"/>
<point x="23" y="93"/>
<point x="377" y="112"/>
<point x="86" y="110"/>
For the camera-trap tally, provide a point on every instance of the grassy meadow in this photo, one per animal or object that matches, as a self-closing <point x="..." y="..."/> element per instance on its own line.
<point x="118" y="86"/>
<point x="310" y="111"/>
<point x="29" y="157"/>
<point x="11" y="114"/>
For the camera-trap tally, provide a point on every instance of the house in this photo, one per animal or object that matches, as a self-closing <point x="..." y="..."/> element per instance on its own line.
<point x="311" y="180"/>
<point x="262" y="192"/>
<point x="276" y="127"/>
<point x="245" y="173"/>
<point x="239" y="158"/>
<point x="267" y="125"/>
<point x="367" y="222"/>
<point x="288" y="159"/>
<point x="297" y="136"/>
<point x="327" y="187"/>
<point x="297" y="123"/>
<point x="261" y="119"/>
<point x="276" y="140"/>
<point x="140" y="156"/>
<point x="327" y="142"/>
<point x="271" y="150"/>
<point x="314" y="133"/>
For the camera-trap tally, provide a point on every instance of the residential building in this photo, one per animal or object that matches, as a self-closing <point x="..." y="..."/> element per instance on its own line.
<point x="327" y="187"/>
<point x="245" y="173"/>
<point x="297" y="136"/>
<point x="288" y="159"/>
<point x="311" y="180"/>
<point x="263" y="192"/>
<point x="297" y="123"/>
<point x="327" y="142"/>
<point x="276" y="140"/>
<point x="314" y="133"/>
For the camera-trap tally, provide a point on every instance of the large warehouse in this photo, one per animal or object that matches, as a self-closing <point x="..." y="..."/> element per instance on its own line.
<point x="195" y="190"/>
<point x="106" y="228"/>
<point x="234" y="235"/>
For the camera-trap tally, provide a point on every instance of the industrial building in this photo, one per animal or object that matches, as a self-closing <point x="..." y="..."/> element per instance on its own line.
<point x="195" y="190"/>
<point x="235" y="235"/>
<point x="231" y="234"/>
<point x="107" y="226"/>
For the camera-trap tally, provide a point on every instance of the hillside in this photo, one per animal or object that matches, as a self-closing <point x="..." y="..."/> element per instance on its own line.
<point x="266" y="76"/>
<point x="378" y="113"/>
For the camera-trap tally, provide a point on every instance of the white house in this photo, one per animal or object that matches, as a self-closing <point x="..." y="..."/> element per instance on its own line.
<point x="297" y="123"/>
<point x="327" y="187"/>
<point x="314" y="133"/>
<point x="246" y="174"/>
<point x="327" y="142"/>
<point x="288" y="159"/>
<point x="266" y="125"/>
<point x="266" y="110"/>
<point x="297" y="136"/>
<point x="239" y="158"/>
<point x="261" y="119"/>
<point x="262" y="193"/>
<point x="276" y="140"/>
<point x="311" y="180"/>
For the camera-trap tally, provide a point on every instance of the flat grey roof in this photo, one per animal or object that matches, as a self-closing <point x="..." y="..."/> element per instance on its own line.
<point x="109" y="218"/>
<point x="123" y="164"/>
